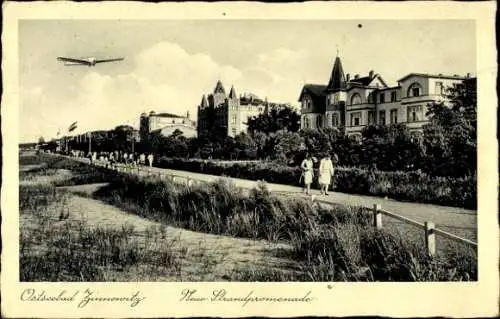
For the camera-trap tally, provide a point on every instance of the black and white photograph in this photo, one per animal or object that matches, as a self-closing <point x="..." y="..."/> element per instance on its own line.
<point x="247" y="150"/>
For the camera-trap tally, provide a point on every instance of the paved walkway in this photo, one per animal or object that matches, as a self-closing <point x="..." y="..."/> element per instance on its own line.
<point x="459" y="221"/>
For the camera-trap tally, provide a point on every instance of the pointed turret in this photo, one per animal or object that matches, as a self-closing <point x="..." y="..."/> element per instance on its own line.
<point x="232" y="93"/>
<point x="204" y="102"/>
<point x="219" y="88"/>
<point x="337" y="79"/>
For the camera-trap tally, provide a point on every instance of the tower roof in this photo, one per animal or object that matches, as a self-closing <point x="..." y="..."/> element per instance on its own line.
<point x="337" y="79"/>
<point x="232" y="93"/>
<point x="219" y="88"/>
<point x="204" y="102"/>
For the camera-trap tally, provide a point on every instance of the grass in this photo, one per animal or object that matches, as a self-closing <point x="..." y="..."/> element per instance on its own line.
<point x="336" y="244"/>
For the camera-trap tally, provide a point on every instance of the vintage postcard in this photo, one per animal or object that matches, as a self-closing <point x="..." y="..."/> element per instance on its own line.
<point x="249" y="159"/>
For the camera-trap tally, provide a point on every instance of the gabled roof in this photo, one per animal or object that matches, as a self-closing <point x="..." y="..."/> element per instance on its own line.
<point x="219" y="88"/>
<point x="337" y="78"/>
<point x="366" y="80"/>
<point x="438" y="76"/>
<point x="317" y="92"/>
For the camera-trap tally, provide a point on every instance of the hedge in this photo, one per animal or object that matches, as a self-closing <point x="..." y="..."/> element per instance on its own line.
<point x="408" y="186"/>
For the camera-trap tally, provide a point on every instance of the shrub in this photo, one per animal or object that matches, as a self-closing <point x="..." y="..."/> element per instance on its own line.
<point x="411" y="186"/>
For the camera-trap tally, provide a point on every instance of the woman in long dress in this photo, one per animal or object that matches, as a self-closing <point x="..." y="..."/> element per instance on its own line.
<point x="325" y="174"/>
<point x="307" y="172"/>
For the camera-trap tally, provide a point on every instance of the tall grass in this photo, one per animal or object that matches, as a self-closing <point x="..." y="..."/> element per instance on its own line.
<point x="78" y="253"/>
<point x="52" y="249"/>
<point x="335" y="244"/>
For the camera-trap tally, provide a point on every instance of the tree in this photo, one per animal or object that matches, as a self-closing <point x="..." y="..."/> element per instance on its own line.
<point x="245" y="147"/>
<point x="287" y="146"/>
<point x="316" y="142"/>
<point x="278" y="118"/>
<point x="41" y="140"/>
<point x="450" y="138"/>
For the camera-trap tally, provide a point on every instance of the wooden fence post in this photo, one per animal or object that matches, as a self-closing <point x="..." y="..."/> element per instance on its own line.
<point x="377" y="216"/>
<point x="430" y="238"/>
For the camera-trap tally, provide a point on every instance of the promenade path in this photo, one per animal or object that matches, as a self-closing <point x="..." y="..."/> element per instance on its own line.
<point x="459" y="221"/>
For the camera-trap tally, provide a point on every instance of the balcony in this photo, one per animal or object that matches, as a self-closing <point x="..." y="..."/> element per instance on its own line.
<point x="422" y="98"/>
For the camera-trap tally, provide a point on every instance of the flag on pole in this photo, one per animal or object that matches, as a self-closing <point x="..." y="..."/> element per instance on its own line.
<point x="72" y="127"/>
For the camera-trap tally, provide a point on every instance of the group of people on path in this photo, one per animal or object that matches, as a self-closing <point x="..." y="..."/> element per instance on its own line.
<point x="326" y="172"/>
<point x="112" y="158"/>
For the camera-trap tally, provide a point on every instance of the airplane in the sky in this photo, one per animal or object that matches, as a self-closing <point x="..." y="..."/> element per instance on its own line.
<point x="92" y="61"/>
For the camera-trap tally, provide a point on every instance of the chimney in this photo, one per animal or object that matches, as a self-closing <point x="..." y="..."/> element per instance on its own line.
<point x="372" y="73"/>
<point x="356" y="77"/>
<point x="468" y="75"/>
<point x="347" y="77"/>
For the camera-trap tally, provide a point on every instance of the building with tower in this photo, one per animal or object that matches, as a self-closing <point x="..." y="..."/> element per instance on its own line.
<point x="227" y="114"/>
<point x="354" y="103"/>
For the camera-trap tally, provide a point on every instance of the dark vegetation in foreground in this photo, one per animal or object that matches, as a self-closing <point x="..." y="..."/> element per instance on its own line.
<point x="337" y="244"/>
<point x="333" y="244"/>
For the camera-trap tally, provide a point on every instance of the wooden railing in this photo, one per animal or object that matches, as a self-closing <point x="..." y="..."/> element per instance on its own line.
<point x="429" y="228"/>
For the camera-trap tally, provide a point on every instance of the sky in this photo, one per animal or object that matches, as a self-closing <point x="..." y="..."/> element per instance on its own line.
<point x="169" y="64"/>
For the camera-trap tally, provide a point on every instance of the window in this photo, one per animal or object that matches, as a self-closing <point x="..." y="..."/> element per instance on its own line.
<point x="415" y="90"/>
<point x="334" y="99"/>
<point x="394" y="116"/>
<point x="381" y="117"/>
<point x="439" y="88"/>
<point x="233" y="119"/>
<point x="356" y="99"/>
<point x="382" y="98"/>
<point x="370" y="98"/>
<point x="371" y="117"/>
<point x="393" y="96"/>
<point x="234" y="130"/>
<point x="415" y="113"/>
<point x="319" y="121"/>
<point x="335" y="119"/>
<point x="355" y="119"/>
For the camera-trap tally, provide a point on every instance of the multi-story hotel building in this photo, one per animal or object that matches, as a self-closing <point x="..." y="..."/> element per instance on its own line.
<point x="227" y="114"/>
<point x="357" y="102"/>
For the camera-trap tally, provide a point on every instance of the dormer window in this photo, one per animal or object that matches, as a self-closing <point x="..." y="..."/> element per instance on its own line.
<point x="415" y="90"/>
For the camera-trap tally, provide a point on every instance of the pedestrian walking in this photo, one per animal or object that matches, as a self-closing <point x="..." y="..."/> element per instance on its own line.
<point x="150" y="160"/>
<point x="307" y="172"/>
<point x="325" y="173"/>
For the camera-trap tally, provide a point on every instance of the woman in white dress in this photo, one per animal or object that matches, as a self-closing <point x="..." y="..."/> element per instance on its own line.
<point x="307" y="172"/>
<point x="325" y="174"/>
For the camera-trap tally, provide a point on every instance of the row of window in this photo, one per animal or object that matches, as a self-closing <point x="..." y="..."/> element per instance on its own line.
<point x="415" y="114"/>
<point x="414" y="90"/>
